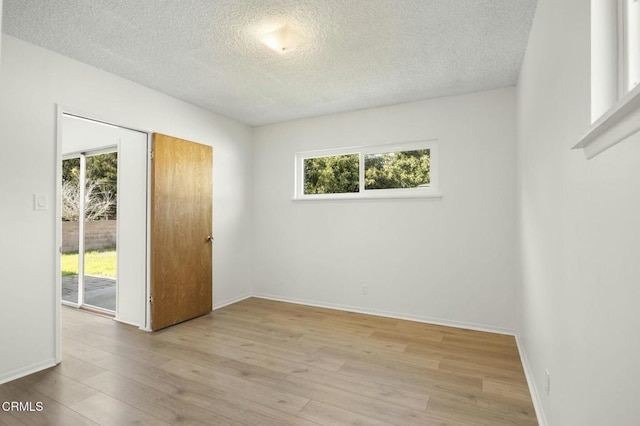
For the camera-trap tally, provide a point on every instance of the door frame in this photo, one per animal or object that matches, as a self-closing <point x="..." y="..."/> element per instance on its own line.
<point x="62" y="110"/>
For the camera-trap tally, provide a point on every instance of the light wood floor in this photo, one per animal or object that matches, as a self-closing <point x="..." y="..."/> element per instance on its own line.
<point x="260" y="362"/>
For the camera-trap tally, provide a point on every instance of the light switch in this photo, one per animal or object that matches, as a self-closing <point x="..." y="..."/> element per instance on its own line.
<point x="40" y="202"/>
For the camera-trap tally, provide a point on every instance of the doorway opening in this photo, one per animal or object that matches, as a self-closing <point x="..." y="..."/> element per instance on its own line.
<point x="103" y="218"/>
<point x="89" y="229"/>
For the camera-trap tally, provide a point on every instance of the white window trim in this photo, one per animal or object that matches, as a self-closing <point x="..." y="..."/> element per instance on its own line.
<point x="432" y="191"/>
<point x="615" y="114"/>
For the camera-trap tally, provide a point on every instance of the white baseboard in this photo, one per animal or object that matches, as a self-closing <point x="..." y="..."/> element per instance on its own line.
<point x="25" y="371"/>
<point x="533" y="390"/>
<point x="123" y="321"/>
<point x="395" y="315"/>
<point x="230" y="302"/>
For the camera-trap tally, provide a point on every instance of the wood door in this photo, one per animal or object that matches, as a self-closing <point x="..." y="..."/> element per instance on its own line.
<point x="181" y="223"/>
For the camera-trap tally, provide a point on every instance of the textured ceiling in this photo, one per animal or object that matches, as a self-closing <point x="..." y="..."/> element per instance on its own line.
<point x="361" y="53"/>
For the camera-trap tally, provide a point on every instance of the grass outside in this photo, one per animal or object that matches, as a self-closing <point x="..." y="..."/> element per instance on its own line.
<point x="101" y="263"/>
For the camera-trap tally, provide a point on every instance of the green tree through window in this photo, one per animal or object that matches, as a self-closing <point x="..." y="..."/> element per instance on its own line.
<point x="332" y="175"/>
<point x="404" y="169"/>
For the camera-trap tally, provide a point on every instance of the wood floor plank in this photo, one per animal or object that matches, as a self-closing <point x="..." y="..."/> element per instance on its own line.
<point x="507" y="361"/>
<point x="268" y="396"/>
<point x="8" y="420"/>
<point x="353" y="342"/>
<point x="474" y="369"/>
<point x="425" y="337"/>
<point x="289" y="350"/>
<point x="245" y="354"/>
<point x="326" y="325"/>
<point x="362" y="405"/>
<point x="77" y="369"/>
<point x="414" y="375"/>
<point x="379" y="356"/>
<point x="160" y="380"/>
<point x="509" y="390"/>
<point x="109" y="411"/>
<point x="262" y="362"/>
<point x="328" y="415"/>
<point x="361" y="386"/>
<point x="250" y="413"/>
<point x="459" y="411"/>
<point x="59" y="388"/>
<point x="132" y="352"/>
<point x="161" y="405"/>
<point x="503" y="407"/>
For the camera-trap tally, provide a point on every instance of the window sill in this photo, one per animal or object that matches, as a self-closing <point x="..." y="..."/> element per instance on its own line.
<point x="617" y="124"/>
<point x="335" y="197"/>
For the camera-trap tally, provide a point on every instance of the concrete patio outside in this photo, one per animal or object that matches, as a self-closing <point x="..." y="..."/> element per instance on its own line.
<point x="98" y="291"/>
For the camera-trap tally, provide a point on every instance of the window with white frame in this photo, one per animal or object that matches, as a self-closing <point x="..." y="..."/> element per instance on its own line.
<point x="615" y="74"/>
<point x="386" y="171"/>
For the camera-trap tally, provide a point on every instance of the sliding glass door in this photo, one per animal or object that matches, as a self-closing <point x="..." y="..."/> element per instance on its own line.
<point x="70" y="229"/>
<point x="89" y="229"/>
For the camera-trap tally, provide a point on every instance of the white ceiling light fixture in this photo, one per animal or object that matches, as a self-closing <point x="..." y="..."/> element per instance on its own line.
<point x="283" y="40"/>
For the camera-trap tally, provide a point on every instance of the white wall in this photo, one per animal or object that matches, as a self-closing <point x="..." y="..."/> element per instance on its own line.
<point x="580" y="235"/>
<point x="1" y="9"/>
<point x="447" y="260"/>
<point x="32" y="81"/>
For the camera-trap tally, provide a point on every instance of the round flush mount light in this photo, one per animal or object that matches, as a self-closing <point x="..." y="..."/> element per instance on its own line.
<point x="283" y="40"/>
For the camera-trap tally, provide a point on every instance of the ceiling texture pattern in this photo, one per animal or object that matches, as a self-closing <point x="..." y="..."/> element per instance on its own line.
<point x="360" y="53"/>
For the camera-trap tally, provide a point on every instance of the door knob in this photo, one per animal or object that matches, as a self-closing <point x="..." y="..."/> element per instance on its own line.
<point x="210" y="238"/>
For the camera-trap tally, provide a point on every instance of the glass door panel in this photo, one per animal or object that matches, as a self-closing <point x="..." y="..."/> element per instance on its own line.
<point x="70" y="228"/>
<point x="100" y="224"/>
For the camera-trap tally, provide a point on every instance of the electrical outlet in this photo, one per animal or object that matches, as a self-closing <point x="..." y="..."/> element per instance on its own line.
<point x="364" y="290"/>
<point x="548" y="377"/>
